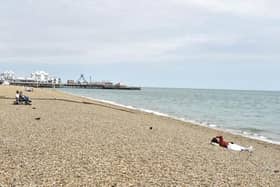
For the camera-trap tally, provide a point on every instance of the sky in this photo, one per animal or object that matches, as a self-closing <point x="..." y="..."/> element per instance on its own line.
<point x="221" y="44"/>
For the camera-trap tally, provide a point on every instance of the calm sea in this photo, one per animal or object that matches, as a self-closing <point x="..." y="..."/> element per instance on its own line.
<point x="253" y="114"/>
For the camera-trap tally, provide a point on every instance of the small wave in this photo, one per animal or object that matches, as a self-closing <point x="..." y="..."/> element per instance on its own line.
<point x="153" y="112"/>
<point x="252" y="129"/>
<point x="252" y="135"/>
<point x="212" y="125"/>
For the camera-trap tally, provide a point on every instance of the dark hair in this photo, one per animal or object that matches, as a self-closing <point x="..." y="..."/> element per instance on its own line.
<point x="17" y="91"/>
<point x="214" y="140"/>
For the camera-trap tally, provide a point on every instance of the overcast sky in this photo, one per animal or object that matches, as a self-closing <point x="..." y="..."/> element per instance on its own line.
<point x="166" y="43"/>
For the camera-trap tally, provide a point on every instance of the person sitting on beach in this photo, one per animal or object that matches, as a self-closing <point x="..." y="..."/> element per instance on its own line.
<point x="23" y="98"/>
<point x="17" y="97"/>
<point x="219" y="140"/>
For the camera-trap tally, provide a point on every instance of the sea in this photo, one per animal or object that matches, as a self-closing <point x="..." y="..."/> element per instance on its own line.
<point x="254" y="114"/>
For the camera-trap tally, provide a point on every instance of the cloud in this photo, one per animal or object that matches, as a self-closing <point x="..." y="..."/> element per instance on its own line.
<point x="260" y="8"/>
<point x="114" y="31"/>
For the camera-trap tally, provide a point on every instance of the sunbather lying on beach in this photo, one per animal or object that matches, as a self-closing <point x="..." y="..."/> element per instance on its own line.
<point x="219" y="140"/>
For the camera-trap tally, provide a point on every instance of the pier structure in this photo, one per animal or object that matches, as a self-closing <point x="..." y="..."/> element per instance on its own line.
<point x="94" y="85"/>
<point x="83" y="83"/>
<point x="80" y="83"/>
<point x="75" y="85"/>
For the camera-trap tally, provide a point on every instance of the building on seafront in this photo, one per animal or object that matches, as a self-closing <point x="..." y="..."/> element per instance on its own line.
<point x="44" y="77"/>
<point x="8" y="76"/>
<point x="37" y="76"/>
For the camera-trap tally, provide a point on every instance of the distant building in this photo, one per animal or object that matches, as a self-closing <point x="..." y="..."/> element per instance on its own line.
<point x="70" y="82"/>
<point x="40" y="76"/>
<point x="44" y="77"/>
<point x="7" y="75"/>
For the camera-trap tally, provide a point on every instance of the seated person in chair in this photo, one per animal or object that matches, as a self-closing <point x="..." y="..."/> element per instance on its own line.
<point x="24" y="99"/>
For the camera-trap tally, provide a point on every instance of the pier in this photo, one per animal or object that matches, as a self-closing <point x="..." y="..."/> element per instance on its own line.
<point x="41" y="79"/>
<point x="75" y="85"/>
<point x="101" y="86"/>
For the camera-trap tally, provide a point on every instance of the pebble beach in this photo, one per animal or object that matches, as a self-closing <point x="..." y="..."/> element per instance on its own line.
<point x="66" y="140"/>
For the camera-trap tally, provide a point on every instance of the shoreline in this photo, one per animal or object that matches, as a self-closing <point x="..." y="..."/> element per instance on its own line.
<point x="210" y="126"/>
<point x="67" y="140"/>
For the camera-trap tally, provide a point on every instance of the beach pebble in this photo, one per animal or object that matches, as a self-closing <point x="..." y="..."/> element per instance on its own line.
<point x="276" y="171"/>
<point x="33" y="107"/>
<point x="38" y="118"/>
<point x="151" y="128"/>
